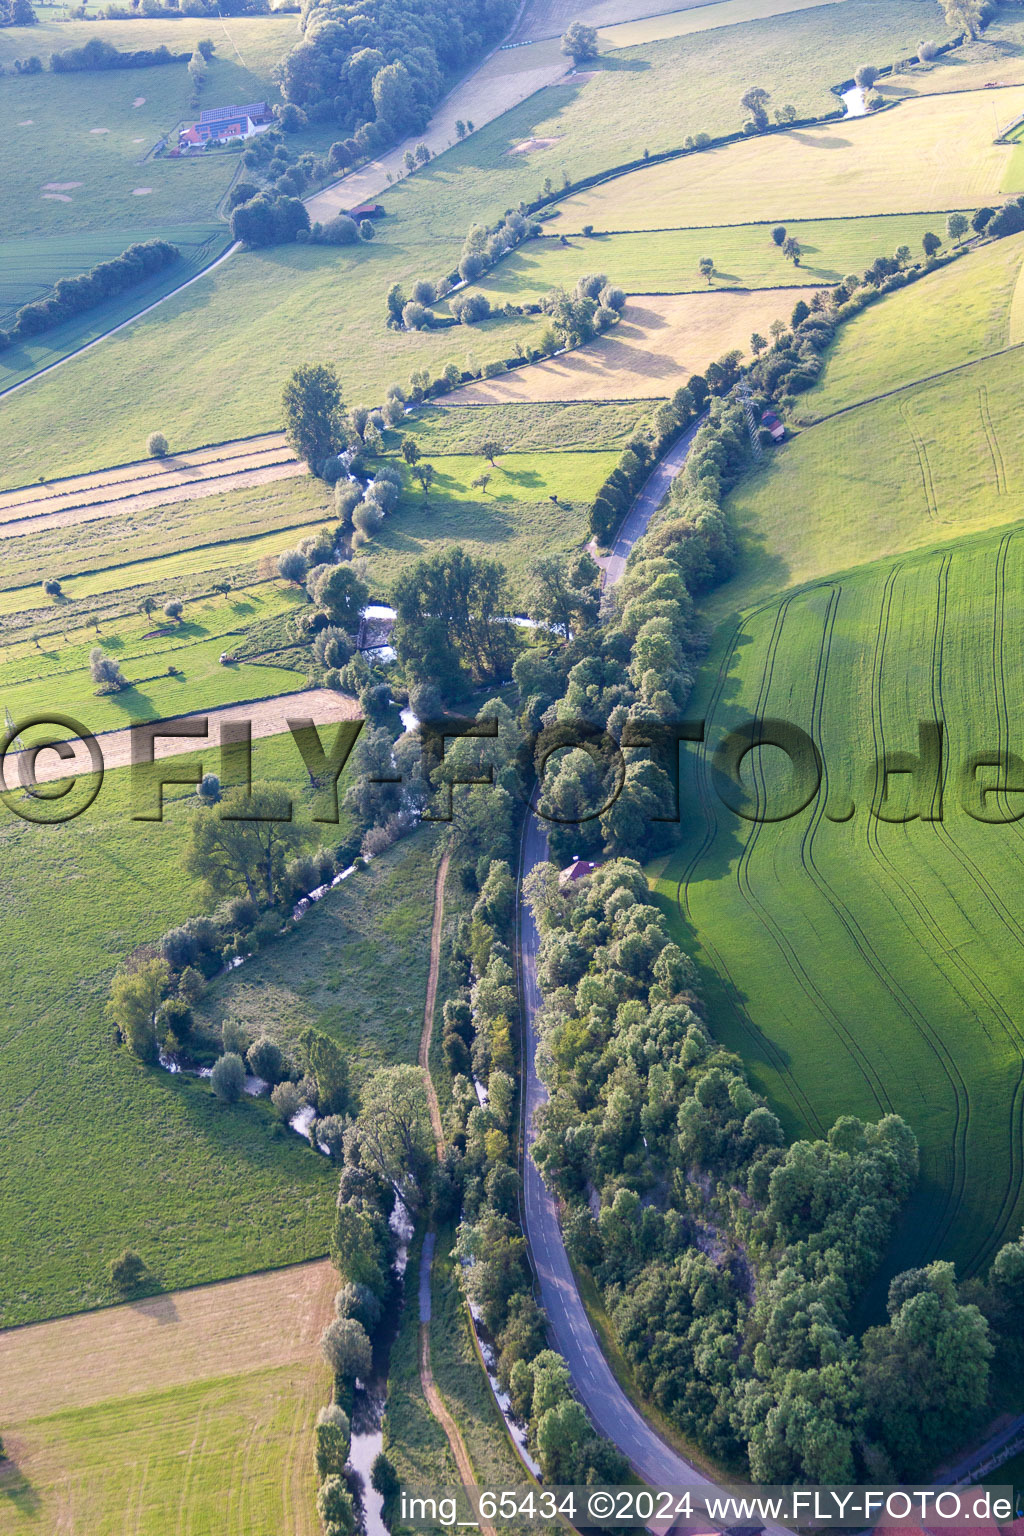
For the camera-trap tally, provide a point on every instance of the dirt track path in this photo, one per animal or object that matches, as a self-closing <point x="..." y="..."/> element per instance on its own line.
<point x="267" y="717"/>
<point x="148" y="483"/>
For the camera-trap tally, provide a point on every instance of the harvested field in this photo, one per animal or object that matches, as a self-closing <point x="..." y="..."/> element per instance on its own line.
<point x="165" y="1341"/>
<point x="935" y="152"/>
<point x="266" y="717"/>
<point x="189" y="1411"/>
<point x="657" y="345"/>
<point x="148" y="483"/>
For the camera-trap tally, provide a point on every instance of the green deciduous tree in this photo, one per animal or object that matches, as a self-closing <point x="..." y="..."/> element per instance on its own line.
<point x="135" y="996"/>
<point x="579" y="42"/>
<point x="313" y="413"/>
<point x="242" y="846"/>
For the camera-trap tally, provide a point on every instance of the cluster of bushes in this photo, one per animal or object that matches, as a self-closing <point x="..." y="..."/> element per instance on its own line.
<point x="379" y="73"/>
<point x="269" y="219"/>
<point x="17" y="13"/>
<point x="74" y="295"/>
<point x="98" y="54"/>
<point x="730" y="1263"/>
<point x="341" y="230"/>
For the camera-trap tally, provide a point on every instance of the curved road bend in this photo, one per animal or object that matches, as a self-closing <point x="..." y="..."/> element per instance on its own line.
<point x="655" y="1462"/>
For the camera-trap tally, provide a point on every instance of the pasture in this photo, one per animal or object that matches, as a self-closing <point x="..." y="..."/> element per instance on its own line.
<point x="926" y="465"/>
<point x="329" y="974"/>
<point x="838" y="169"/>
<point x="667" y="260"/>
<point x="697" y="18"/>
<point x="514" y="519"/>
<point x="860" y="964"/>
<point x="957" y="315"/>
<point x="297" y="304"/>
<point x="660" y="342"/>
<point x="171" y="1414"/>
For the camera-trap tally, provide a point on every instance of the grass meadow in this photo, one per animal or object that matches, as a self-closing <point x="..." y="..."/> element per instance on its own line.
<point x="957" y="315"/>
<point x="329" y="974"/>
<point x="933" y="462"/>
<point x="667" y="260"/>
<point x="514" y="520"/>
<point x="202" y="1190"/>
<point x="521" y="428"/>
<point x="861" y="965"/>
<point x="83" y="137"/>
<point x="295" y="304"/>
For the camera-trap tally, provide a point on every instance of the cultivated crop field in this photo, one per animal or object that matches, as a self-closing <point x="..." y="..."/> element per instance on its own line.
<point x="883" y="478"/>
<point x="864" y="965"/>
<point x="958" y="315"/>
<point x="658" y="344"/>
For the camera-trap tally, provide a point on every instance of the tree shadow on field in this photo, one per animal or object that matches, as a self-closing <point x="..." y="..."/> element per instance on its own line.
<point x="821" y="141"/>
<point x="608" y="65"/>
<point x="16" y="1492"/>
<point x="159" y="1308"/>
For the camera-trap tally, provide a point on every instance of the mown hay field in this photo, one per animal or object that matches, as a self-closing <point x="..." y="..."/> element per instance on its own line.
<point x="860" y="965"/>
<point x="933" y="153"/>
<point x="959" y="314"/>
<point x="658" y="344"/>
<point x="189" y="1412"/>
<point x="667" y="260"/>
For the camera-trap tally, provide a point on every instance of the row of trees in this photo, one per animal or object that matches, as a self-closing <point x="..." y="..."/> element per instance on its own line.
<point x="75" y="295"/>
<point x="17" y="13"/>
<point x="729" y="1262"/>
<point x="97" y="54"/>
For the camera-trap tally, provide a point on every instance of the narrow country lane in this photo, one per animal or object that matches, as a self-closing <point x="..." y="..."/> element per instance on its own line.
<point x="610" y="1409"/>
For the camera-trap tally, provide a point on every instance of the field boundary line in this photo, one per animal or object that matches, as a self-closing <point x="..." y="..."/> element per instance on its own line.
<point x="682" y="229"/>
<point x="201" y="1285"/>
<point x="79" y="474"/>
<point x="943" y="373"/>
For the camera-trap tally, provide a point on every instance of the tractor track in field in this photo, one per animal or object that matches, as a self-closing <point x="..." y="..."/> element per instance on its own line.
<point x="985" y="1248"/>
<point x="763" y="1042"/>
<point x="928" y="1033"/>
<point x="988" y="427"/>
<point x="923" y="464"/>
<point x="801" y="975"/>
<point x="970" y="869"/>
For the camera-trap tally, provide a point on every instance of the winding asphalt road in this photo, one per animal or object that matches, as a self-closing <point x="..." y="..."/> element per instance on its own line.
<point x="612" y="1412"/>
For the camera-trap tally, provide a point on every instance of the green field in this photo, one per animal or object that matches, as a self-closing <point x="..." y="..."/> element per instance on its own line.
<point x="955" y="316"/>
<point x="666" y="260"/>
<point x="201" y="682"/>
<point x="928" y="464"/>
<point x="202" y="1189"/>
<point x="292" y="304"/>
<point x="859" y="965"/>
<point x="199" y="244"/>
<point x="329" y="973"/>
<point x="513" y="520"/>
<point x="523" y="427"/>
<point x="227" y="1454"/>
<point x="227" y="531"/>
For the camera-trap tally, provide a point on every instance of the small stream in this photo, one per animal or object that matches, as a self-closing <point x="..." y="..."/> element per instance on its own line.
<point x="370" y="1398"/>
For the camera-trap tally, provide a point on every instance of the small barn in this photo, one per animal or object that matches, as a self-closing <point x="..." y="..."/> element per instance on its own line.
<point x="367" y="211"/>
